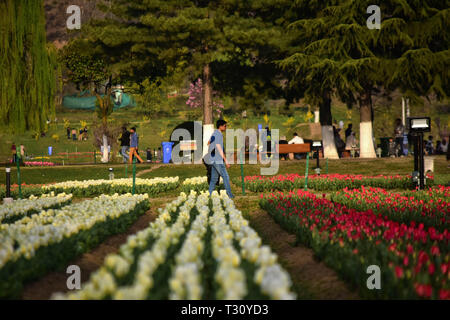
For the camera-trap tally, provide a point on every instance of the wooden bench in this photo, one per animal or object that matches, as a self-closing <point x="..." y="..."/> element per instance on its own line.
<point x="294" y="148"/>
<point x="281" y="149"/>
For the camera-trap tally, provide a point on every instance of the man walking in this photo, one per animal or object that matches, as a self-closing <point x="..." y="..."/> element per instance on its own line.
<point x="219" y="163"/>
<point x="134" y="142"/>
<point x="125" y="144"/>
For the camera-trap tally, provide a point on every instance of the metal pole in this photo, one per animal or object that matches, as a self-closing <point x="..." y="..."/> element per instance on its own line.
<point x="134" y="176"/>
<point x="242" y="175"/>
<point x="327" y="167"/>
<point x="19" y="182"/>
<point x="8" y="182"/>
<point x="306" y="172"/>
<point x="318" y="161"/>
<point x="416" y="152"/>
<point x="421" y="162"/>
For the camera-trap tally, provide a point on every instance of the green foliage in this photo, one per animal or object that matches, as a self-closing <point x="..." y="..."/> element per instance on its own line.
<point x="28" y="66"/>
<point x="85" y="68"/>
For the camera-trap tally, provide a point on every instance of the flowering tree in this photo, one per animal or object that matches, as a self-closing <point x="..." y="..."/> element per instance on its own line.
<point x="196" y="98"/>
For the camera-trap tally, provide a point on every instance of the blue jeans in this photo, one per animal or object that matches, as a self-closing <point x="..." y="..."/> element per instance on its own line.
<point x="219" y="169"/>
<point x="124" y="153"/>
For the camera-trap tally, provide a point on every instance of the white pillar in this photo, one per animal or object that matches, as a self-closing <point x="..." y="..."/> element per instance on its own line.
<point x="403" y="112"/>
<point x="329" y="146"/>
<point x="316" y="116"/>
<point x="208" y="130"/>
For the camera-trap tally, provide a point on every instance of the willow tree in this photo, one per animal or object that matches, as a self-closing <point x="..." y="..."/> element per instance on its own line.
<point x="28" y="67"/>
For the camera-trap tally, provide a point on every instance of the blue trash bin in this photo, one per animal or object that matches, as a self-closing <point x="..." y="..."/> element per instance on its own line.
<point x="50" y="151"/>
<point x="167" y="151"/>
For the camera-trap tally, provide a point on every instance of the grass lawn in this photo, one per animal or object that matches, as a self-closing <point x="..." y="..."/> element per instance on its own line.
<point x="385" y="166"/>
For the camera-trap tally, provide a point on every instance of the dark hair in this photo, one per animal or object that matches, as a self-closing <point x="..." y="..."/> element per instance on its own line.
<point x="295" y="134"/>
<point x="350" y="125"/>
<point x="134" y="129"/>
<point x="220" y="123"/>
<point x="430" y="137"/>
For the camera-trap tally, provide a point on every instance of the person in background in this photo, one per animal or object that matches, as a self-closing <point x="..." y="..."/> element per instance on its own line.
<point x="85" y="134"/>
<point x="340" y="144"/>
<point x="125" y="144"/>
<point x="218" y="160"/>
<point x="438" y="149"/>
<point x="283" y="140"/>
<point x="444" y="146"/>
<point x="22" y="151"/>
<point x="348" y="131"/>
<point x="351" y="142"/>
<point x="429" y="145"/>
<point x="296" y="140"/>
<point x="74" y="135"/>
<point x="134" y="145"/>
<point x="269" y="142"/>
<point x="68" y="133"/>
<point x="80" y="135"/>
<point x="399" y="130"/>
<point x="14" y="152"/>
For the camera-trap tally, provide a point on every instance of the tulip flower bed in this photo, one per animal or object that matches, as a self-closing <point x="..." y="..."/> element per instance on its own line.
<point x="431" y="210"/>
<point x="196" y="184"/>
<point x="331" y="182"/>
<point x="198" y="248"/>
<point x="33" y="246"/>
<point x="89" y="188"/>
<point x="414" y="261"/>
<point x="10" y="212"/>
<point x="39" y="164"/>
<point x="27" y="190"/>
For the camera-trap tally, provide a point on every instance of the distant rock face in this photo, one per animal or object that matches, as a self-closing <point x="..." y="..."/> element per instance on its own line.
<point x="56" y="15"/>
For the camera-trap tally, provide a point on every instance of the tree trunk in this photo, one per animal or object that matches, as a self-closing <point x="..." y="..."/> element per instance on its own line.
<point x="329" y="146"/>
<point x="105" y="155"/>
<point x="208" y="126"/>
<point x="207" y="95"/>
<point x="367" y="148"/>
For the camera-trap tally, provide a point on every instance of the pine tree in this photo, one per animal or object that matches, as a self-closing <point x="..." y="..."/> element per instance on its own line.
<point x="409" y="52"/>
<point x="193" y="37"/>
<point x="28" y="66"/>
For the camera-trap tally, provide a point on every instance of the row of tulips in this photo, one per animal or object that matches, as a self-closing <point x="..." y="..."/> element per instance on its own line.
<point x="414" y="261"/>
<point x="35" y="245"/>
<point x="90" y="188"/>
<point x="199" y="247"/>
<point x="27" y="190"/>
<point x="13" y="211"/>
<point x="197" y="184"/>
<point x="330" y="182"/>
<point x="429" y="209"/>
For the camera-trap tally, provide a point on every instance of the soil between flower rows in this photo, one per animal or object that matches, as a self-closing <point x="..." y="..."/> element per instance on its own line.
<point x="312" y="279"/>
<point x="53" y="282"/>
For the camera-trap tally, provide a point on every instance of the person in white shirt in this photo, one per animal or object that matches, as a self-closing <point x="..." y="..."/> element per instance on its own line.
<point x="295" y="140"/>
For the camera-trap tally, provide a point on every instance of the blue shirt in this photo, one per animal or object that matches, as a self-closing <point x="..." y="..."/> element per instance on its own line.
<point x="134" y="140"/>
<point x="216" y="139"/>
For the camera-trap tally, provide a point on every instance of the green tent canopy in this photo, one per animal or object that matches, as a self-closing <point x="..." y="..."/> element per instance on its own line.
<point x="81" y="102"/>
